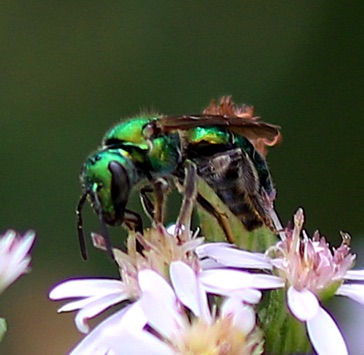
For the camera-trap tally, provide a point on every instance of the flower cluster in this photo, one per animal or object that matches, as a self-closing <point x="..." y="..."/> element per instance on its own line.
<point x="172" y="306"/>
<point x="186" y="296"/>
<point x="14" y="261"/>
<point x="14" y="256"/>
<point x="311" y="273"/>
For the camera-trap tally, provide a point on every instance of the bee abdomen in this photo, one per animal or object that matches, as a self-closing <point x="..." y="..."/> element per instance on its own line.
<point x="234" y="179"/>
<point x="239" y="203"/>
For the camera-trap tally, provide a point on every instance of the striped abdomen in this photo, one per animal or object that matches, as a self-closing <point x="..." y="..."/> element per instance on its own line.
<point x="233" y="176"/>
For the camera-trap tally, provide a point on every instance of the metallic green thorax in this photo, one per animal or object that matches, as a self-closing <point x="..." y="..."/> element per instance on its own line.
<point x="128" y="133"/>
<point x="165" y="154"/>
<point x="162" y="154"/>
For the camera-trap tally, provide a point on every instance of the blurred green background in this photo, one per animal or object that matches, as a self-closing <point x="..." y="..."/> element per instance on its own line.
<point x="69" y="70"/>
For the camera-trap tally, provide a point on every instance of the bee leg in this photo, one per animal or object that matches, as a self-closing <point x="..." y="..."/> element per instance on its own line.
<point x="161" y="191"/>
<point x="155" y="210"/>
<point x="189" y="190"/>
<point x="133" y="221"/>
<point x="274" y="224"/>
<point x="220" y="217"/>
<point x="146" y="202"/>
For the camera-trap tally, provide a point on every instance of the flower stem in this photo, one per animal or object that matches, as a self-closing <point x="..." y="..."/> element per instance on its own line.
<point x="284" y="334"/>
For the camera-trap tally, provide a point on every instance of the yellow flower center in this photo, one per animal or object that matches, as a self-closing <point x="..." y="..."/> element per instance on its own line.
<point x="219" y="338"/>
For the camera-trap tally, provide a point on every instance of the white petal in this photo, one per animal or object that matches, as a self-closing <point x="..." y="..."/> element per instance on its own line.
<point x="303" y="304"/>
<point x="85" y="302"/>
<point x="150" y="281"/>
<point x="203" y="250"/>
<point x="75" y="305"/>
<point x="94" y="308"/>
<point x="325" y="335"/>
<point x="354" y="275"/>
<point x="12" y="270"/>
<point x="6" y="241"/>
<point x="25" y="243"/>
<point x="243" y="316"/>
<point x="248" y="295"/>
<point x="210" y="264"/>
<point x="85" y="288"/>
<point x="14" y="260"/>
<point x="162" y="317"/>
<point x="265" y="282"/>
<point x="223" y="281"/>
<point x="93" y="343"/>
<point x="354" y="291"/>
<point x="189" y="290"/>
<point x="142" y="342"/>
<point x="131" y="339"/>
<point x="134" y="318"/>
<point x="100" y="341"/>
<point x="159" y="303"/>
<point x="229" y="256"/>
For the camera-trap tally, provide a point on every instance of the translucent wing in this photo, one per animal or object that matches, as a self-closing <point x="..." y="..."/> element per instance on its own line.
<point x="250" y="128"/>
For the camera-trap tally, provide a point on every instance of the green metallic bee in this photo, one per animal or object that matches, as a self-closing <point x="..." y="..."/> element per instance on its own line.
<point x="147" y="151"/>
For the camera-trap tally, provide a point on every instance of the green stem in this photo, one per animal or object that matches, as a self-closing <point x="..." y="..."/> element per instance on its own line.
<point x="284" y="334"/>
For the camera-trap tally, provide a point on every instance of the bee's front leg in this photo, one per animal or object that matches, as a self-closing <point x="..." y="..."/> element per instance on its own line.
<point x="155" y="209"/>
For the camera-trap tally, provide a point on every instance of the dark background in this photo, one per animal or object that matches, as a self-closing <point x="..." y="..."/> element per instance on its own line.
<point x="69" y="70"/>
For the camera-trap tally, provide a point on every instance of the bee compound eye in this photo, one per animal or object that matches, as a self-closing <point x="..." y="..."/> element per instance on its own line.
<point x="120" y="187"/>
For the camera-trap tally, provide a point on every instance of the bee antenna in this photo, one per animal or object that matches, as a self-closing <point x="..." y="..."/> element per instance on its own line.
<point x="81" y="236"/>
<point x="104" y="231"/>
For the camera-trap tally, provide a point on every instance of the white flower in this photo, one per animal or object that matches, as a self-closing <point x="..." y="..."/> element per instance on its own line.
<point x="94" y="296"/>
<point x="123" y="327"/>
<point x="14" y="256"/>
<point x="165" y="255"/>
<point x="220" y="280"/>
<point x="197" y="331"/>
<point x="310" y="271"/>
<point x="178" y="320"/>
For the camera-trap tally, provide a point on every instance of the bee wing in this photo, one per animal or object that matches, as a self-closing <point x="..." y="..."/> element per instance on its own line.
<point x="250" y="128"/>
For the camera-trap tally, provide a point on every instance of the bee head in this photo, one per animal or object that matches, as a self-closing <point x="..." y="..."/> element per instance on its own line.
<point x="107" y="178"/>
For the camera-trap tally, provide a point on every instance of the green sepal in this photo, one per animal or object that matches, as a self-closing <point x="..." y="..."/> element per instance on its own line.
<point x="329" y="291"/>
